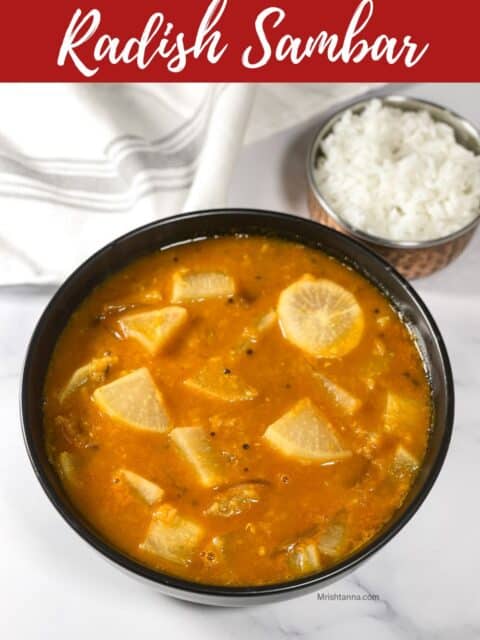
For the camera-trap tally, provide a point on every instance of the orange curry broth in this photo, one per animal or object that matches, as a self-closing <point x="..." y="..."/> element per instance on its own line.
<point x="296" y="498"/>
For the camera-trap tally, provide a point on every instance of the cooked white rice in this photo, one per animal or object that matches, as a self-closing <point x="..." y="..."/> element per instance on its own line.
<point x="399" y="174"/>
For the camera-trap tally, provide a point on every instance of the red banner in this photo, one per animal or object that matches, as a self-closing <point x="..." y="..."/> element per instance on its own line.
<point x="239" y="40"/>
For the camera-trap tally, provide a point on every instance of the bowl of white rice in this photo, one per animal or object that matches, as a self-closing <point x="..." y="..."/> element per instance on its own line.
<point x="401" y="175"/>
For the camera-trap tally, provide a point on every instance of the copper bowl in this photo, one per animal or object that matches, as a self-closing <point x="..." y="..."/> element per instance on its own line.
<point x="412" y="259"/>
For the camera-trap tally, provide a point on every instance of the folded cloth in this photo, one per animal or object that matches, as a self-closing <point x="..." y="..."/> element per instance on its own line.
<point x="82" y="164"/>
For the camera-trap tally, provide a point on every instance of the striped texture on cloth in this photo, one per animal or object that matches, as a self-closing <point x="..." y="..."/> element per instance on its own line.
<point x="81" y="164"/>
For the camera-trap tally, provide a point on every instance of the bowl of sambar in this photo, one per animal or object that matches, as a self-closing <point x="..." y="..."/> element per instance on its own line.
<point x="237" y="406"/>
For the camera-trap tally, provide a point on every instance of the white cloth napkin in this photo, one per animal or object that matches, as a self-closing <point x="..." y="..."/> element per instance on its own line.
<point x="82" y="164"/>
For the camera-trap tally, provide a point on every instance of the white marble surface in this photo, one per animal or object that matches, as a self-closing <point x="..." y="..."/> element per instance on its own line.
<point x="53" y="586"/>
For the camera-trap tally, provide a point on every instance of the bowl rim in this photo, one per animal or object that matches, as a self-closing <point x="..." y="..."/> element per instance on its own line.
<point x="180" y="587"/>
<point x="391" y="100"/>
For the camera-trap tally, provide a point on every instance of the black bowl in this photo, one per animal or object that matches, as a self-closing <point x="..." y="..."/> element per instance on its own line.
<point x="204" y="224"/>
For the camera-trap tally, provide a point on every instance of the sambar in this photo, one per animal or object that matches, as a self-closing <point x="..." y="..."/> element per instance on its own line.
<point x="237" y="411"/>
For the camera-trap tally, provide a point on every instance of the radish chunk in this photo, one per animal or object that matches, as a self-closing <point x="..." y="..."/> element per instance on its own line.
<point x="304" y="558"/>
<point x="192" y="286"/>
<point x="252" y="334"/>
<point x="320" y="317"/>
<point x="402" y="413"/>
<point x="404" y="464"/>
<point x="146" y="489"/>
<point x="95" y="370"/>
<point x="194" y="445"/>
<point x="134" y="400"/>
<point x="154" y="330"/>
<point x="217" y="381"/>
<point x="305" y="434"/>
<point x="331" y="541"/>
<point x="262" y="325"/>
<point x="68" y="466"/>
<point x="171" y="536"/>
<point x="342" y="399"/>
<point x="234" y="501"/>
